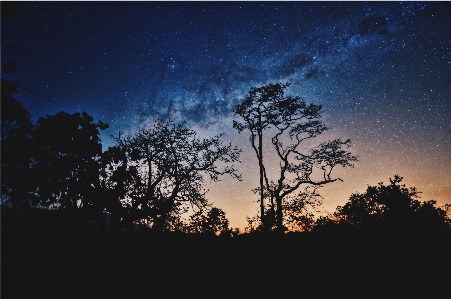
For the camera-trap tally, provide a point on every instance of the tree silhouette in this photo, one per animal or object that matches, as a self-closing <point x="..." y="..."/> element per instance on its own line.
<point x="393" y="209"/>
<point x="291" y="122"/>
<point x="65" y="166"/>
<point x="16" y="130"/>
<point x="299" y="210"/>
<point x="159" y="172"/>
<point x="210" y="222"/>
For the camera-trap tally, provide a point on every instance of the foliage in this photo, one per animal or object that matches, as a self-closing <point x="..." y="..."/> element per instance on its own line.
<point x="253" y="224"/>
<point x="211" y="222"/>
<point x="52" y="163"/>
<point x="300" y="210"/>
<point x="65" y="167"/>
<point x="291" y="122"/>
<point x="393" y="208"/>
<point x="16" y="129"/>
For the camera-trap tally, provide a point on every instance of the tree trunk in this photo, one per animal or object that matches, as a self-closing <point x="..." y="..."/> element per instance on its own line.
<point x="279" y="215"/>
<point x="272" y="211"/>
<point x="260" y="161"/>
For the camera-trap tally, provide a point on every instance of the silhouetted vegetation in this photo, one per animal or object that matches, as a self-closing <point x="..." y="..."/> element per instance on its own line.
<point x="292" y="123"/>
<point x="389" y="211"/>
<point x="65" y="160"/>
<point x="212" y="222"/>
<point x="158" y="174"/>
<point x="94" y="219"/>
<point x="154" y="180"/>
<point x="16" y="133"/>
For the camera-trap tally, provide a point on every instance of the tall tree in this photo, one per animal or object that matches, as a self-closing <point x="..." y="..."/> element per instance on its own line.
<point x="166" y="166"/>
<point x="291" y="123"/>
<point x="258" y="111"/>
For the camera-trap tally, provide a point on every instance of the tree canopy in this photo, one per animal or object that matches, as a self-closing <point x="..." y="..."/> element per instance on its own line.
<point x="16" y="130"/>
<point x="211" y="221"/>
<point x="393" y="209"/>
<point x="159" y="172"/>
<point x="65" y="167"/>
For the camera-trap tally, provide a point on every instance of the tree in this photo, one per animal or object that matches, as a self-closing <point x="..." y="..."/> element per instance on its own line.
<point x="65" y="163"/>
<point x="292" y="122"/>
<point x="299" y="210"/>
<point x="210" y="222"/>
<point x="394" y="209"/>
<point x="16" y="130"/>
<point x="161" y="171"/>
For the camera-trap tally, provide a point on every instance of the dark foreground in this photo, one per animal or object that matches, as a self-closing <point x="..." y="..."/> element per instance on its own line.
<point x="166" y="266"/>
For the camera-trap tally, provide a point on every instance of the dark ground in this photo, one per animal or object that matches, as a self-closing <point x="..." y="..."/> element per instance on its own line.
<point x="165" y="266"/>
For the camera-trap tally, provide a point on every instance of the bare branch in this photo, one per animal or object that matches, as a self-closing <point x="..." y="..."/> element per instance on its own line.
<point x="267" y="107"/>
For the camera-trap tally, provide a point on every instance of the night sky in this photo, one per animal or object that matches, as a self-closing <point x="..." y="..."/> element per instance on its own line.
<point x="382" y="72"/>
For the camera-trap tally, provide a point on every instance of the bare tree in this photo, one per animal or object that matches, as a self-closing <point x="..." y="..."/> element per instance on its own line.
<point x="292" y="123"/>
<point x="166" y="167"/>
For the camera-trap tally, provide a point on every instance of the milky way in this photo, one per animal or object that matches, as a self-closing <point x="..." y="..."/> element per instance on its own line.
<point x="382" y="72"/>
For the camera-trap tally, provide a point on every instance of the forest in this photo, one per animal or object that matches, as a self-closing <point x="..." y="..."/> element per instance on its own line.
<point x="142" y="202"/>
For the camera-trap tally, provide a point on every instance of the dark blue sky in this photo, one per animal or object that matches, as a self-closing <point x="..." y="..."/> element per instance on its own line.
<point x="381" y="70"/>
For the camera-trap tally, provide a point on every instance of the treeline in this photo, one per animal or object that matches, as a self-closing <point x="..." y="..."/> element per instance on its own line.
<point x="391" y="212"/>
<point x="56" y="177"/>
<point x="152" y="177"/>
<point x="56" y="167"/>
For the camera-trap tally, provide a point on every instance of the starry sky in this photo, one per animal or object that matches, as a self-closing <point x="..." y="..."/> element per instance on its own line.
<point x="381" y="70"/>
